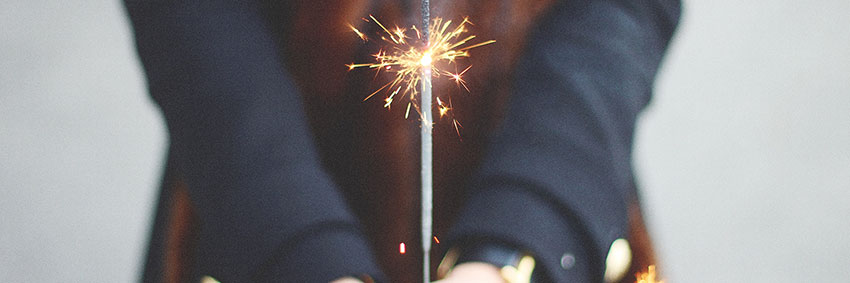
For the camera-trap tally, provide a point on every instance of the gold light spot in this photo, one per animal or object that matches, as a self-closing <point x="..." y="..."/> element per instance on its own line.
<point x="648" y="277"/>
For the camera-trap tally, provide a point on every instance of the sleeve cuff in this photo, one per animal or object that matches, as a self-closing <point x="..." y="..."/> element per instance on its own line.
<point x="509" y="215"/>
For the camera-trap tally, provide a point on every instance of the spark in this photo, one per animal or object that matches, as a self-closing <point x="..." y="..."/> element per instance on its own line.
<point x="401" y="248"/>
<point x="443" y="108"/>
<point x="436" y="240"/>
<point x="403" y="59"/>
<point x="458" y="78"/>
<point x="359" y="34"/>
<point x="457" y="126"/>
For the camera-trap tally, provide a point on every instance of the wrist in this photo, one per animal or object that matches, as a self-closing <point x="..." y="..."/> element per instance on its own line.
<point x="512" y="264"/>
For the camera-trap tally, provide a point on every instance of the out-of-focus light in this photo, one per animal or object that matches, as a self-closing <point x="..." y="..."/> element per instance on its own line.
<point x="648" y="277"/>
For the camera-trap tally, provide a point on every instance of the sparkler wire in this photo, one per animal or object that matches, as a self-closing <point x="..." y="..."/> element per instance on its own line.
<point x="427" y="150"/>
<point x="414" y="66"/>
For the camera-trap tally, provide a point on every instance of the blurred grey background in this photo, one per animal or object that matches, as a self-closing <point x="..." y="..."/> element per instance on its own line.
<point x="744" y="155"/>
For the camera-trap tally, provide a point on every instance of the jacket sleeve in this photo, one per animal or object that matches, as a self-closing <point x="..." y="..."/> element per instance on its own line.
<point x="268" y="212"/>
<point x="557" y="174"/>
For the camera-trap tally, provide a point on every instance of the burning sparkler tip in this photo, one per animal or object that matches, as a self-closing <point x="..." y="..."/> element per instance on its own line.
<point x="412" y="63"/>
<point x="426" y="59"/>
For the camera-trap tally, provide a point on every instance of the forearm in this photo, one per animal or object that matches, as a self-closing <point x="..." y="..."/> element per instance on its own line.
<point x="242" y="144"/>
<point x="561" y="161"/>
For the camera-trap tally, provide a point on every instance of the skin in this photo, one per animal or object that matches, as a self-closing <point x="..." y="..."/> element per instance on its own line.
<point x="466" y="272"/>
<point x="473" y="272"/>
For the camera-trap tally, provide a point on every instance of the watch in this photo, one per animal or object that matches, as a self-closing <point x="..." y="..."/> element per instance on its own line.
<point x="515" y="266"/>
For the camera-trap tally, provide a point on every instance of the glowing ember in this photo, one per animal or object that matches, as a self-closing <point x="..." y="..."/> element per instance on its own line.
<point x="359" y="34"/>
<point x="401" y="248"/>
<point x="459" y="80"/>
<point x="405" y="60"/>
<point x="443" y="108"/>
<point x="426" y="59"/>
<point x="436" y="240"/>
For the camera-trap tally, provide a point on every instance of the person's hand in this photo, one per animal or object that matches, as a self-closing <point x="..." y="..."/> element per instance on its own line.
<point x="463" y="273"/>
<point x="473" y="272"/>
<point x="347" y="280"/>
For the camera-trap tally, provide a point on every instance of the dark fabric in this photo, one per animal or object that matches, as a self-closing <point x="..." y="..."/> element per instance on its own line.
<point x="240" y="141"/>
<point x="555" y="179"/>
<point x="557" y="174"/>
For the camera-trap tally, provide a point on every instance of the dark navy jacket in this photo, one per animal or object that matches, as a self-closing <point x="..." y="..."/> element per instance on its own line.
<point x="554" y="181"/>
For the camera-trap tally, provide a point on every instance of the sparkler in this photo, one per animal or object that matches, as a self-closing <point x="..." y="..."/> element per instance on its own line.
<point x="416" y="67"/>
<point x="401" y="57"/>
<point x="427" y="147"/>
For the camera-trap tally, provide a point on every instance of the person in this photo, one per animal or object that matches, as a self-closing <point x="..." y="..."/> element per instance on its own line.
<point x="552" y="190"/>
